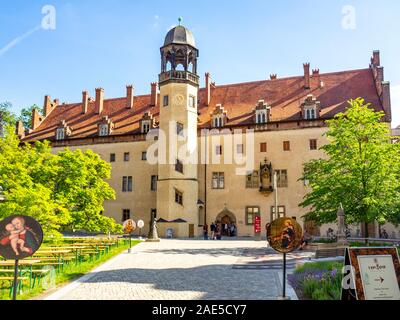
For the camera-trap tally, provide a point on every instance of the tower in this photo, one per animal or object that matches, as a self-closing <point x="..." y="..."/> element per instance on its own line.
<point x="177" y="187"/>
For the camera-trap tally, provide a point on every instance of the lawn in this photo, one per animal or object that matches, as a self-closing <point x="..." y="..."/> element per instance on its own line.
<point x="69" y="271"/>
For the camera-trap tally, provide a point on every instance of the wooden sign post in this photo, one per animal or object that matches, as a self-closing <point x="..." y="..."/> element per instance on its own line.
<point x="20" y="237"/>
<point x="371" y="273"/>
<point x="129" y="226"/>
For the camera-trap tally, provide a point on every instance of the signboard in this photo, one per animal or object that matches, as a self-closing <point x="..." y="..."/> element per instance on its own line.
<point x="129" y="226"/>
<point x="371" y="273"/>
<point x="20" y="237"/>
<point x="257" y="224"/>
<point x="284" y="234"/>
<point x="140" y="224"/>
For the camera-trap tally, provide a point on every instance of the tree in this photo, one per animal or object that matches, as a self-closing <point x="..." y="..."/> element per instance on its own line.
<point x="26" y="115"/>
<point x="361" y="170"/>
<point x="59" y="190"/>
<point x="7" y="117"/>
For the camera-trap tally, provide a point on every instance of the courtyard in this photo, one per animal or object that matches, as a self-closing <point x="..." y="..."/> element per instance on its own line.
<point x="186" y="270"/>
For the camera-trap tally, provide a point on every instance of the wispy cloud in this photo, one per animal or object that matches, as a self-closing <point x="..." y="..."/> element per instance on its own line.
<point x="17" y="40"/>
<point x="156" y="19"/>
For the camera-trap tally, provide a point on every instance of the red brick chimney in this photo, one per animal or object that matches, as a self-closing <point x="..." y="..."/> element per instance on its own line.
<point x="306" y="67"/>
<point x="36" y="119"/>
<point x="85" y="101"/>
<point x="208" y="89"/>
<point x="129" y="96"/>
<point x="385" y="99"/>
<point x="48" y="105"/>
<point x="273" y="76"/>
<point x="153" y="98"/>
<point x="376" y="59"/>
<point x="99" y="100"/>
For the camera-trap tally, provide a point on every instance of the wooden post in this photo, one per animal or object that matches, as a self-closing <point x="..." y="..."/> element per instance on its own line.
<point x="15" y="284"/>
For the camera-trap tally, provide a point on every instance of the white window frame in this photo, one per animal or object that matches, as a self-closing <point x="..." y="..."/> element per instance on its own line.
<point x="103" y="130"/>
<point x="60" y="134"/>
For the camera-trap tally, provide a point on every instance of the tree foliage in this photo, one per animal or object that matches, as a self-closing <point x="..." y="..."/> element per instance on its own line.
<point x="64" y="190"/>
<point x="26" y="115"/>
<point x="361" y="170"/>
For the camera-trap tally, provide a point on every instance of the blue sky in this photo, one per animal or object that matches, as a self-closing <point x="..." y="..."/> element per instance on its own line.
<point x="113" y="43"/>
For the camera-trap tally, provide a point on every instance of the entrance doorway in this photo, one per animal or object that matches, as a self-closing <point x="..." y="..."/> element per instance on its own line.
<point x="226" y="221"/>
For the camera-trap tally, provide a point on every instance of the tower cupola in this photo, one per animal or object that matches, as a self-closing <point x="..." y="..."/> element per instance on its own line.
<point x="179" y="57"/>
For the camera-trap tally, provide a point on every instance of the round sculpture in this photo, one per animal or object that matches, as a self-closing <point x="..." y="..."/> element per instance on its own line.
<point x="129" y="226"/>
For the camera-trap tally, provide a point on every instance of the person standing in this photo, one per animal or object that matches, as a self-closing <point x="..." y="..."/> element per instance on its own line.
<point x="205" y="231"/>
<point x="212" y="228"/>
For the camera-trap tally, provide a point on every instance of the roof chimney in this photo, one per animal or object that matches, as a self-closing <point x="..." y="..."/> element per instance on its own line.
<point x="273" y="76"/>
<point x="376" y="59"/>
<point x="36" y="119"/>
<point x="306" y="67"/>
<point x="99" y="100"/>
<point x="85" y="101"/>
<point x="153" y="98"/>
<point x="48" y="106"/>
<point x="129" y="96"/>
<point x="208" y="89"/>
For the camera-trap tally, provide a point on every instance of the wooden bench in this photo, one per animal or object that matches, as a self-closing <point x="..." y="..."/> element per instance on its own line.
<point x="19" y="284"/>
<point x="328" y="250"/>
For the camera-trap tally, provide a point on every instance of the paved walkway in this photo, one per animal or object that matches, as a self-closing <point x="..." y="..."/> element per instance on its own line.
<point x="185" y="269"/>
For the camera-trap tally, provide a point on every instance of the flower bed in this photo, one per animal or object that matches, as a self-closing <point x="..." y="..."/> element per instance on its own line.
<point x="317" y="280"/>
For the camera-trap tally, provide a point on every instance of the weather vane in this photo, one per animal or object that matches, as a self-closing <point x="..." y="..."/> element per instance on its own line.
<point x="180" y="20"/>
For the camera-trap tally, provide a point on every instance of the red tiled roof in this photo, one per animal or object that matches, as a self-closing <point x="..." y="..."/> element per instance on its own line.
<point x="285" y="97"/>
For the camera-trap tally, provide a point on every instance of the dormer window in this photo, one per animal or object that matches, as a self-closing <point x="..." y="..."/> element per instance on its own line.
<point x="219" y="117"/>
<point x="103" y="130"/>
<point x="262" y="112"/>
<point x="60" y="134"/>
<point x="105" y="127"/>
<point x="310" y="108"/>
<point x="63" y="131"/>
<point x="146" y="123"/>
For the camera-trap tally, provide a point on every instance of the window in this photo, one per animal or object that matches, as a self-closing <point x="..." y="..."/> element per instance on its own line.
<point x="153" y="186"/>
<point x="281" y="178"/>
<point x="126" y="156"/>
<point x="112" y="157"/>
<point x="239" y="148"/>
<point x="179" y="166"/>
<point x="126" y="214"/>
<point x="60" y="134"/>
<point x="310" y="114"/>
<point x="145" y="126"/>
<point x="103" y="131"/>
<point x="281" y="212"/>
<point x="165" y="100"/>
<point x="263" y="147"/>
<point x="218" y="150"/>
<point x="192" y="101"/>
<point x="179" y="129"/>
<point x="261" y="116"/>
<point x="218" y="122"/>
<point x="127" y="184"/>
<point x="286" y="145"/>
<point x="144" y="155"/>
<point x="178" y="197"/>
<point x="313" y="144"/>
<point x="251" y="212"/>
<point x="252" y="180"/>
<point x="218" y="180"/>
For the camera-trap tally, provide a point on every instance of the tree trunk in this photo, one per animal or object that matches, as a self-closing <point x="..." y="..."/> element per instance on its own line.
<point x="366" y="233"/>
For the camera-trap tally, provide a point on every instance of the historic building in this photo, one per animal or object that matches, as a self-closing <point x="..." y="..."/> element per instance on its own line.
<point x="281" y="120"/>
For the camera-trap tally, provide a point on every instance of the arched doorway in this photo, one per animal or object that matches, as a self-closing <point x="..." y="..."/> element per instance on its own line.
<point x="227" y="222"/>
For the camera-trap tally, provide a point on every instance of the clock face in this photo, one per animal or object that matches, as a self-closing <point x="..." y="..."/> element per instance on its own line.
<point x="179" y="99"/>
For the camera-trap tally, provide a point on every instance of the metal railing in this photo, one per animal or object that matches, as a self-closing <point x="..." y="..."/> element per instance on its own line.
<point x="178" y="75"/>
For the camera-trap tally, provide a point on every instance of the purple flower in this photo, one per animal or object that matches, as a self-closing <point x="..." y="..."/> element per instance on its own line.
<point x="334" y="273"/>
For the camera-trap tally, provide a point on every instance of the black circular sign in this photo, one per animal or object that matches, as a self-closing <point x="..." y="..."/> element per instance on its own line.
<point x="20" y="237"/>
<point x="284" y="235"/>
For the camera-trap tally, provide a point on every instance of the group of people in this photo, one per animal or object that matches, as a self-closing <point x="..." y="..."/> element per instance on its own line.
<point x="219" y="229"/>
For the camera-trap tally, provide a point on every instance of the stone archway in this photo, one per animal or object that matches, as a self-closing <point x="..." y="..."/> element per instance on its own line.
<point x="226" y="217"/>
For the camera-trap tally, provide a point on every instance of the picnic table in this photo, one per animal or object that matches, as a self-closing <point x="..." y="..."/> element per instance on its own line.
<point x="21" y="263"/>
